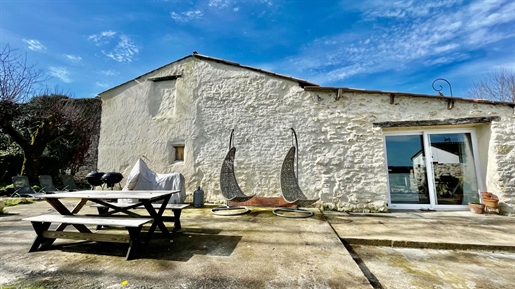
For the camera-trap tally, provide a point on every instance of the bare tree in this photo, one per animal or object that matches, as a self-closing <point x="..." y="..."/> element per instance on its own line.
<point x="18" y="80"/>
<point x="36" y="122"/>
<point x="497" y="86"/>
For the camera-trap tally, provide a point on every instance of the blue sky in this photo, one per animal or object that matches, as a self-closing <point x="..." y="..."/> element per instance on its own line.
<point x="89" y="46"/>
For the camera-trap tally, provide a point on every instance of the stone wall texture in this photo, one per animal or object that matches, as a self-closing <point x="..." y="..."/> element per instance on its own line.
<point x="341" y="151"/>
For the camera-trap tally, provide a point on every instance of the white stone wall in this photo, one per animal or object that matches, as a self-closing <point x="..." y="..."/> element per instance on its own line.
<point x="341" y="154"/>
<point x="500" y="177"/>
<point x="144" y="119"/>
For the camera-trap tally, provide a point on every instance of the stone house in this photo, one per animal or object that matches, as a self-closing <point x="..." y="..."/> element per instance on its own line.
<point x="356" y="147"/>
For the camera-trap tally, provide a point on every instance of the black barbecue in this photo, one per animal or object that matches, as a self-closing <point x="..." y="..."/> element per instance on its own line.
<point x="94" y="179"/>
<point x="111" y="179"/>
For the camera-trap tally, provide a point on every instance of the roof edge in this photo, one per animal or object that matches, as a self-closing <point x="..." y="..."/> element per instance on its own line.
<point x="347" y="89"/>
<point x="121" y="84"/>
<point x="303" y="83"/>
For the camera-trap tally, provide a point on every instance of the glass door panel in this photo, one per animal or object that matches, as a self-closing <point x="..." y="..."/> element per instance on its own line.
<point x="453" y="168"/>
<point x="407" y="175"/>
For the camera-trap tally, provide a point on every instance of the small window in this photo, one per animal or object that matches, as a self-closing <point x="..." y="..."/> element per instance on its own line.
<point x="179" y="153"/>
<point x="175" y="151"/>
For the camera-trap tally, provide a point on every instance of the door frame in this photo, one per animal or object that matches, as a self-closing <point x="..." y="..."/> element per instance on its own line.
<point x="429" y="168"/>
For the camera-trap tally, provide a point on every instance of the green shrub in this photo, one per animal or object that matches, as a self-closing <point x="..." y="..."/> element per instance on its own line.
<point x="6" y="190"/>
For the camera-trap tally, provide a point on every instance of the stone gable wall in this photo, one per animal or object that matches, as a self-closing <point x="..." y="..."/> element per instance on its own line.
<point x="145" y="119"/>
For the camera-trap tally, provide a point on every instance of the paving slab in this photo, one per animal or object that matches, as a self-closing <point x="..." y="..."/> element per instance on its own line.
<point x="396" y="267"/>
<point x="419" y="229"/>
<point x="256" y="250"/>
<point x="417" y="249"/>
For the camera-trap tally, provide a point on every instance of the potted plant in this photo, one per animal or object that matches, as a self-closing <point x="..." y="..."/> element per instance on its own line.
<point x="476" y="207"/>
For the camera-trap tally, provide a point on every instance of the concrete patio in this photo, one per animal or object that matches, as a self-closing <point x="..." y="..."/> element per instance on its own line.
<point x="410" y="249"/>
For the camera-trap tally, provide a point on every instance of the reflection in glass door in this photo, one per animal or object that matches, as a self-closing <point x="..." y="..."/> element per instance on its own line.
<point x="434" y="169"/>
<point x="407" y="169"/>
<point x="453" y="168"/>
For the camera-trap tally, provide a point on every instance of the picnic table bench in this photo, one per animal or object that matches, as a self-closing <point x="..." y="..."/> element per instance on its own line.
<point x="42" y="223"/>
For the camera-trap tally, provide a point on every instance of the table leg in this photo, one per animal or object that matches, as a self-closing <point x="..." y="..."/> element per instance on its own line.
<point x="158" y="220"/>
<point x="39" y="228"/>
<point x="104" y="211"/>
<point x="177" y="220"/>
<point x="101" y="211"/>
<point x="135" y="244"/>
<point x="59" y="207"/>
<point x="115" y="209"/>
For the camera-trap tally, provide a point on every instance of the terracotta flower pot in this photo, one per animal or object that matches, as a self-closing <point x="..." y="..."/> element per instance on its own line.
<point x="491" y="202"/>
<point x="486" y="194"/>
<point x="477" y="208"/>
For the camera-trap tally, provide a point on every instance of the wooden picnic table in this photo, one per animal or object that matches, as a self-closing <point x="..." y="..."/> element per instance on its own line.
<point x="133" y="222"/>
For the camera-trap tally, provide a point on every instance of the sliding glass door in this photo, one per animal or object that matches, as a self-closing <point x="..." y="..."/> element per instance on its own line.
<point x="407" y="174"/>
<point x="431" y="169"/>
<point x="453" y="168"/>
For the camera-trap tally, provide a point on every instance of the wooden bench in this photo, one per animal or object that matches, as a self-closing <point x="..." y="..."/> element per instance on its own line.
<point x="45" y="237"/>
<point x="176" y="210"/>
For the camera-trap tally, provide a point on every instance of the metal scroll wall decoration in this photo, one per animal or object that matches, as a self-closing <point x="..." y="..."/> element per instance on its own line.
<point x="450" y="103"/>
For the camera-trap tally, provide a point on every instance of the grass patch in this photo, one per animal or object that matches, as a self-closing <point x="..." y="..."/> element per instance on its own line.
<point x="15" y="202"/>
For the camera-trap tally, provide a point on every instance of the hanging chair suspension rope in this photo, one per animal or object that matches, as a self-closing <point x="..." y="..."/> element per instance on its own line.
<point x="296" y="144"/>
<point x="230" y="139"/>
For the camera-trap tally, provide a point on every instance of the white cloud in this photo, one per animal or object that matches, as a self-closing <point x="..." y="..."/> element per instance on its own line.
<point x="186" y="16"/>
<point x="487" y="16"/>
<point x="60" y="72"/>
<point x="446" y="47"/>
<point x="109" y="33"/>
<point x="481" y="6"/>
<point x="103" y="84"/>
<point x="404" y="8"/>
<point x="444" y="59"/>
<point x="219" y="3"/>
<point x="34" y="45"/>
<point x="109" y="72"/>
<point x="124" y="51"/>
<point x="420" y="35"/>
<point x="74" y="59"/>
<point x="102" y="38"/>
